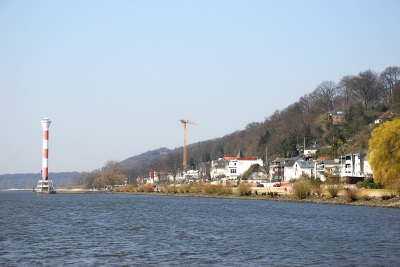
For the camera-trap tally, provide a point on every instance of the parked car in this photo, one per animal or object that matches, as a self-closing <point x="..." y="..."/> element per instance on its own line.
<point x="277" y="185"/>
<point x="260" y="185"/>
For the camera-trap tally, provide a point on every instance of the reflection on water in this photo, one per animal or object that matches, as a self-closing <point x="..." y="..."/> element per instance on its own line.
<point x="138" y="230"/>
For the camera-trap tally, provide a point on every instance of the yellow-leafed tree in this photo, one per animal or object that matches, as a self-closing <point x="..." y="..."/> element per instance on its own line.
<point x="384" y="151"/>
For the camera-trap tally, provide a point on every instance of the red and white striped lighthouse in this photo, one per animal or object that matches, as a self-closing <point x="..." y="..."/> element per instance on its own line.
<point x="45" y="160"/>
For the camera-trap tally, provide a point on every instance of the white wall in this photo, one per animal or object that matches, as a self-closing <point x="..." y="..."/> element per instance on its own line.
<point x="240" y="166"/>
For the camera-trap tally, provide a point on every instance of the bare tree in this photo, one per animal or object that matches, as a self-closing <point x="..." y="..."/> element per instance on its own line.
<point x="366" y="87"/>
<point x="327" y="92"/>
<point x="389" y="79"/>
<point x="131" y="175"/>
<point x="309" y="104"/>
<point x="90" y="178"/>
<point x="173" y="163"/>
<point x="113" y="166"/>
<point x="346" y="86"/>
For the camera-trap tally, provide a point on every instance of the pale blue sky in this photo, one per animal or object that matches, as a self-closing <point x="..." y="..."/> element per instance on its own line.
<point x="115" y="77"/>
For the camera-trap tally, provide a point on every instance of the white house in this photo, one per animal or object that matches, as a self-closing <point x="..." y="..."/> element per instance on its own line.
<point x="367" y="167"/>
<point x="354" y="164"/>
<point x="298" y="168"/>
<point x="217" y="168"/>
<point x="237" y="166"/>
<point x="325" y="168"/>
<point x="310" y="150"/>
<point x="288" y="169"/>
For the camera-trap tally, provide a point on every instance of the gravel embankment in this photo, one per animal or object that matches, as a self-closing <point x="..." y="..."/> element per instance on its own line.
<point x="371" y="202"/>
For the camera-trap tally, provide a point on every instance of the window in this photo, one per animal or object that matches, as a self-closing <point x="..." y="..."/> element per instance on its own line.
<point x="233" y="170"/>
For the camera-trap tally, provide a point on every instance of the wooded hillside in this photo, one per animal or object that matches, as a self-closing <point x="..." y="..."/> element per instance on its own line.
<point x="362" y="98"/>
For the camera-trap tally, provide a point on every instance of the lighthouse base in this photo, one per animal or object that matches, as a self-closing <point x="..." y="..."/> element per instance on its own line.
<point x="44" y="187"/>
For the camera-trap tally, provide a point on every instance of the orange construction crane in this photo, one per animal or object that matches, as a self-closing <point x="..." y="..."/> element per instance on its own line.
<point x="184" y="122"/>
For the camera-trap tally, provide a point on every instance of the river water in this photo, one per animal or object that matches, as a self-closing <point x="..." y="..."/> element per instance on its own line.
<point x="141" y="230"/>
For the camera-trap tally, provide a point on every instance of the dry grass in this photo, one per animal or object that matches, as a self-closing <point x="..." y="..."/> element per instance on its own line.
<point x="317" y="189"/>
<point x="184" y="188"/>
<point x="365" y="196"/>
<point x="210" y="189"/>
<point x="351" y="194"/>
<point x="243" y="189"/>
<point x="301" y="188"/>
<point x="393" y="188"/>
<point x="146" y="188"/>
<point x="218" y="189"/>
<point x="333" y="189"/>
<point x="129" y="188"/>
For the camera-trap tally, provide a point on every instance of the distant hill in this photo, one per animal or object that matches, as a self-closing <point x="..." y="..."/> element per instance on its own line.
<point x="29" y="180"/>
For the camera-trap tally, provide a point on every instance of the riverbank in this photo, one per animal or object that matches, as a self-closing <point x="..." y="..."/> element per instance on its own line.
<point x="371" y="198"/>
<point x="372" y="201"/>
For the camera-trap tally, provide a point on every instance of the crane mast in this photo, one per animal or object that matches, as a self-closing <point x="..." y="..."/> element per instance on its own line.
<point x="184" y="122"/>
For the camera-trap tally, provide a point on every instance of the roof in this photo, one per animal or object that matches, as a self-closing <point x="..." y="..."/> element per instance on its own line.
<point x="247" y="158"/>
<point x="278" y="160"/>
<point x="313" y="147"/>
<point x="387" y="115"/>
<point x="291" y="162"/>
<point x="218" y="163"/>
<point x="329" y="162"/>
<point x="240" y="154"/>
<point x="337" y="111"/>
<point x="306" y="164"/>
<point x="229" y="158"/>
<point x="258" y="168"/>
<point x="357" y="152"/>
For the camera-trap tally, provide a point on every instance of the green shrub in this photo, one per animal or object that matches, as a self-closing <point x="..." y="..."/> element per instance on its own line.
<point x="369" y="183"/>
<point x="301" y="188"/>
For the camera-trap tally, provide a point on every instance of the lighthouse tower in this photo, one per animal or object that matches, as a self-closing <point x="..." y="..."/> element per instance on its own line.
<point x="45" y="186"/>
<point x="45" y="160"/>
